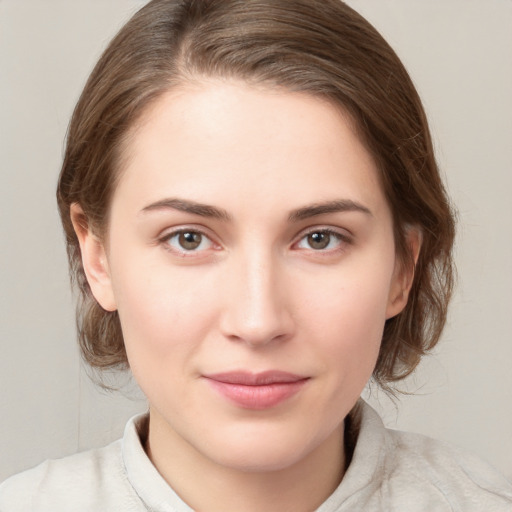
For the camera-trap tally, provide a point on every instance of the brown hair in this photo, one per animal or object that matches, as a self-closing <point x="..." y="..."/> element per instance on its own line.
<point x="321" y="47"/>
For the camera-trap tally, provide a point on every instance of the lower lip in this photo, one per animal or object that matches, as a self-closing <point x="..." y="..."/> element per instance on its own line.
<point x="258" y="397"/>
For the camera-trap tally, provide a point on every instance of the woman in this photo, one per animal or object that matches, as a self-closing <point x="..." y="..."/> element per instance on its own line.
<point x="257" y="226"/>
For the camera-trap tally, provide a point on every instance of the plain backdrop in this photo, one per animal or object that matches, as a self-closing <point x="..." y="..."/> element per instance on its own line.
<point x="459" y="53"/>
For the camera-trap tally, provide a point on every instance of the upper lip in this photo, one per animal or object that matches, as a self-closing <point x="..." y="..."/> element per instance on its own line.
<point x="246" y="378"/>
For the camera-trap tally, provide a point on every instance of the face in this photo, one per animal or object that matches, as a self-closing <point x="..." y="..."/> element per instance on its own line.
<point x="250" y="256"/>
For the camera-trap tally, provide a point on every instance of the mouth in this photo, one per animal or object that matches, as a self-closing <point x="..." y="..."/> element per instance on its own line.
<point x="256" y="391"/>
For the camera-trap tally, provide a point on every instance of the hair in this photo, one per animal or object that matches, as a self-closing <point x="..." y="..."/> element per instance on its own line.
<point x="319" y="47"/>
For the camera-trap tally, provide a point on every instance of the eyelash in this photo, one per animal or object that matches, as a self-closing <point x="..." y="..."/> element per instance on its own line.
<point x="342" y="240"/>
<point x="165" y="241"/>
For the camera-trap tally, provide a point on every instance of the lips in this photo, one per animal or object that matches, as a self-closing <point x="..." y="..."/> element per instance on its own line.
<point x="256" y="391"/>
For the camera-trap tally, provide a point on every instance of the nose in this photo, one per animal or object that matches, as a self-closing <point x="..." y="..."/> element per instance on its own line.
<point x="257" y="310"/>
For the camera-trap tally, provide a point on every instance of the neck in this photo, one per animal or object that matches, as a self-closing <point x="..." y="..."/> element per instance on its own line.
<point x="209" y="486"/>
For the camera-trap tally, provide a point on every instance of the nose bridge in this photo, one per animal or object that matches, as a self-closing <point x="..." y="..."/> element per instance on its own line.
<point x="257" y="312"/>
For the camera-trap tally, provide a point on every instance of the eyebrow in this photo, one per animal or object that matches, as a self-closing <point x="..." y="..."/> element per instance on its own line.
<point x="213" y="212"/>
<point x="341" y="205"/>
<point x="187" y="206"/>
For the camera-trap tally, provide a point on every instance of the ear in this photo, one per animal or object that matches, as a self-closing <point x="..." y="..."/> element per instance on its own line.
<point x="94" y="259"/>
<point x="403" y="276"/>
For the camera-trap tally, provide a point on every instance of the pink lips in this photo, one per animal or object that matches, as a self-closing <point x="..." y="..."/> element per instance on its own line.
<point x="256" y="391"/>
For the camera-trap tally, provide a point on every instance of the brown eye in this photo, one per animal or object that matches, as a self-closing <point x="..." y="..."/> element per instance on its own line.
<point x="190" y="240"/>
<point x="319" y="240"/>
<point x="185" y="242"/>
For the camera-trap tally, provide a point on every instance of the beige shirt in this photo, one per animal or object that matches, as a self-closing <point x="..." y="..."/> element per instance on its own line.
<point x="390" y="471"/>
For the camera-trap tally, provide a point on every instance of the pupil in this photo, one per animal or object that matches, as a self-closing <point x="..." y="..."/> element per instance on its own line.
<point x="319" y="240"/>
<point x="190" y="240"/>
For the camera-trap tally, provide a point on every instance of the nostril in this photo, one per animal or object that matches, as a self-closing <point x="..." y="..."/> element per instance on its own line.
<point x="257" y="327"/>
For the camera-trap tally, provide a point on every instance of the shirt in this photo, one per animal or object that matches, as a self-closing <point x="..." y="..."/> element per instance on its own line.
<point x="389" y="471"/>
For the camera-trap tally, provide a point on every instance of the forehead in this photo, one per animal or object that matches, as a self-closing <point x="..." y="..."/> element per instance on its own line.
<point x="210" y="140"/>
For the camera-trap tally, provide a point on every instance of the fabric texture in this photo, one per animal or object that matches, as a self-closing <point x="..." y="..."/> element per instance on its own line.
<point x="390" y="471"/>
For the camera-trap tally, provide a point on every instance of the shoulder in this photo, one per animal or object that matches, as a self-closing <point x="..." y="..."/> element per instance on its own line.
<point x="92" y="480"/>
<point x="400" y="471"/>
<point x="448" y="474"/>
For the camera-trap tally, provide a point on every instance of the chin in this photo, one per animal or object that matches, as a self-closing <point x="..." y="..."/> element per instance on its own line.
<point x="262" y="449"/>
<point x="259" y="459"/>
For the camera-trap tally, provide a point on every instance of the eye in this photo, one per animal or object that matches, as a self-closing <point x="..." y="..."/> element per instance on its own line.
<point x="321" y="240"/>
<point x="187" y="241"/>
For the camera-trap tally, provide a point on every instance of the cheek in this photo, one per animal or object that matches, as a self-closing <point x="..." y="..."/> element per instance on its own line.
<point x="349" y="316"/>
<point x="354" y="332"/>
<point x="164" y="311"/>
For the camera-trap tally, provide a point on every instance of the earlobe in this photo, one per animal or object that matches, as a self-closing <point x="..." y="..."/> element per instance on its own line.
<point x="94" y="259"/>
<point x="404" y="274"/>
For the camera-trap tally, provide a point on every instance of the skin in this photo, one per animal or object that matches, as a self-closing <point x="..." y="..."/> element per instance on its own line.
<point x="260" y="292"/>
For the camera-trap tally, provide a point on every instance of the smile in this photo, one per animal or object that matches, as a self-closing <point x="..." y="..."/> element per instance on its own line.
<point x="256" y="391"/>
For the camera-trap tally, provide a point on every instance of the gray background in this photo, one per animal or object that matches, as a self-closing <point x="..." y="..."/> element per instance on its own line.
<point x="459" y="54"/>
